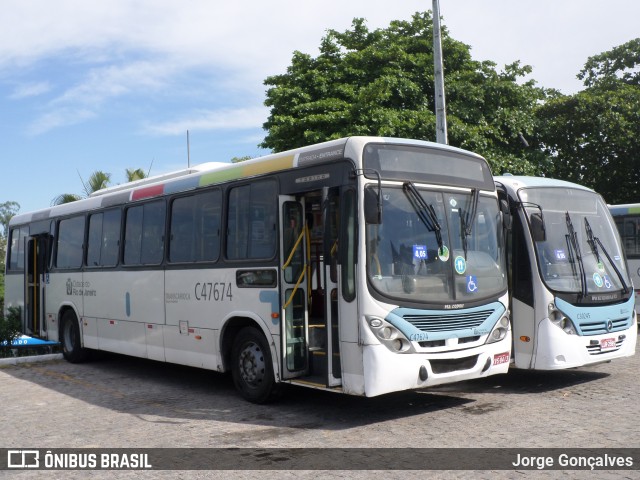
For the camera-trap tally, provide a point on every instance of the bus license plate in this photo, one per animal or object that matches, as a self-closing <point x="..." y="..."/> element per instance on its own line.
<point x="501" y="358"/>
<point x="607" y="343"/>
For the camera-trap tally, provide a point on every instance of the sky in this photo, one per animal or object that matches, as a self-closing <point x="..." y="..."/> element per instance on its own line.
<point x="116" y="84"/>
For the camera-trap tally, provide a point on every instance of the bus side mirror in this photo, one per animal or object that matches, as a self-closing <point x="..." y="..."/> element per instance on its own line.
<point x="506" y="214"/>
<point x="372" y="207"/>
<point x="538" y="230"/>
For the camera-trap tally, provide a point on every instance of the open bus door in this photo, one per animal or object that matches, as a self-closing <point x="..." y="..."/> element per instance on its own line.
<point x="331" y="221"/>
<point x="36" y="268"/>
<point x="293" y="291"/>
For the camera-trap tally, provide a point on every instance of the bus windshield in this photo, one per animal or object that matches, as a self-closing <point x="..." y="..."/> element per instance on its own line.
<point x="581" y="252"/>
<point x="436" y="247"/>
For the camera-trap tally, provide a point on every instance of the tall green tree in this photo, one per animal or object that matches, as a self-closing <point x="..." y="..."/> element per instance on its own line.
<point x="381" y="82"/>
<point x="7" y="211"/>
<point x="592" y="137"/>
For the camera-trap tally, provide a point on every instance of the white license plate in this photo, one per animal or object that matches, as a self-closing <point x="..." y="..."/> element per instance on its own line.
<point x="501" y="358"/>
<point x="607" y="343"/>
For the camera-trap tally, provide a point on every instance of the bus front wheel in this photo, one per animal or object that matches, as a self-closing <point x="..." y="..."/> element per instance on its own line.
<point x="70" y="338"/>
<point x="252" y="367"/>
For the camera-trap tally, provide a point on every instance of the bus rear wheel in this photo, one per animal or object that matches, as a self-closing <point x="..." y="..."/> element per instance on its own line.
<point x="70" y="338"/>
<point x="252" y="368"/>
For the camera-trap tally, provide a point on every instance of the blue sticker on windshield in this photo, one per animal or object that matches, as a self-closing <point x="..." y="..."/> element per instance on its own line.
<point x="460" y="265"/>
<point x="560" y="255"/>
<point x="607" y="282"/>
<point x="420" y="252"/>
<point x="597" y="279"/>
<point x="472" y="283"/>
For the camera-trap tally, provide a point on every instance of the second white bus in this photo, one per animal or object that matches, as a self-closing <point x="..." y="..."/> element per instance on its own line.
<point x="572" y="301"/>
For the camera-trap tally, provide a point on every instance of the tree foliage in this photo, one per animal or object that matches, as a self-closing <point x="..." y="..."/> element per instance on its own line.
<point x="620" y="63"/>
<point x="592" y="136"/>
<point x="135" y="174"/>
<point x="381" y="82"/>
<point x="98" y="180"/>
<point x="7" y="211"/>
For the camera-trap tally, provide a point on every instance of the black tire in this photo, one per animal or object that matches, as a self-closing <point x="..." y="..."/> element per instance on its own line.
<point x="252" y="368"/>
<point x="70" y="339"/>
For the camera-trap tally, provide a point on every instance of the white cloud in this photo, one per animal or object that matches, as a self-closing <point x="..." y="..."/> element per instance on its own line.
<point x="115" y="48"/>
<point x="59" y="118"/>
<point x="30" y="90"/>
<point x="223" y="119"/>
<point x="102" y="84"/>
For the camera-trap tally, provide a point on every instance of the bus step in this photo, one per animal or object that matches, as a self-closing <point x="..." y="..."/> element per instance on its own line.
<point x="317" y="337"/>
<point x="318" y="361"/>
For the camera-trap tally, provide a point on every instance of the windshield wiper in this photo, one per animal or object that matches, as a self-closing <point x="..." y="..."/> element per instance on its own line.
<point x="467" y="217"/>
<point x="591" y="239"/>
<point x="426" y="213"/>
<point x="593" y="242"/>
<point x="573" y="245"/>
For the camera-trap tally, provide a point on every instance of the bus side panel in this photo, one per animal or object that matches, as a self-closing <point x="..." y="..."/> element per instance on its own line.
<point x="136" y="296"/>
<point x="352" y="362"/>
<point x="122" y="304"/>
<point x="14" y="291"/>
<point x="523" y="325"/>
<point x="191" y="346"/>
<point x="63" y="289"/>
<point x="198" y="302"/>
<point x="121" y="336"/>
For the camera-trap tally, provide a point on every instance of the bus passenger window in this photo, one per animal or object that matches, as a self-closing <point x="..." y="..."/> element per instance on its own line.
<point x="144" y="234"/>
<point x="70" y="239"/>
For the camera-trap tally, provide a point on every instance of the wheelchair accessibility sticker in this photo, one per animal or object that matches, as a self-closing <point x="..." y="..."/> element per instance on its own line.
<point x="472" y="283"/>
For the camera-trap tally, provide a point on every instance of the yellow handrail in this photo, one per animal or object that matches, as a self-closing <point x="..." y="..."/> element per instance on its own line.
<point x="304" y="233"/>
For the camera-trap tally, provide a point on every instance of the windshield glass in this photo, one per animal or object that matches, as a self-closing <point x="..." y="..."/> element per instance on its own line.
<point x="581" y="252"/>
<point x="435" y="248"/>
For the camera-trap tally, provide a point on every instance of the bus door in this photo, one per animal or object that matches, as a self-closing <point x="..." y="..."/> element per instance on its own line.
<point x="36" y="248"/>
<point x="294" y="272"/>
<point x="331" y="221"/>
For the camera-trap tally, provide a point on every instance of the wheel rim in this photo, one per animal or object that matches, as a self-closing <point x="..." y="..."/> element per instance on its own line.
<point x="252" y="365"/>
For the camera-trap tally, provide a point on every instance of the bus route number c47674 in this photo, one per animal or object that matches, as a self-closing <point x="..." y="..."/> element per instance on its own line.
<point x="217" y="292"/>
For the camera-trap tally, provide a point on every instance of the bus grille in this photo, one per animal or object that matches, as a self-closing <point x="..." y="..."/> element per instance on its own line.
<point x="453" y="364"/>
<point x="448" y="322"/>
<point x="599" y="328"/>
<point x="596" y="350"/>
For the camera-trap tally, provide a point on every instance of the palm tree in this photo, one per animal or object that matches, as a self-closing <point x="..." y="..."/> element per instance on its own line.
<point x="97" y="181"/>
<point x="133" y="175"/>
<point x="65" y="198"/>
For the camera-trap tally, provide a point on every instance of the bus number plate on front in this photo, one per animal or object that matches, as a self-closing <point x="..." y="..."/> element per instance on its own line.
<point x="501" y="358"/>
<point x="607" y="344"/>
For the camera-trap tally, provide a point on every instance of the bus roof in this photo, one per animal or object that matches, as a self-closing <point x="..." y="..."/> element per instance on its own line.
<point x="218" y="172"/>
<point x="521" y="181"/>
<point x="625" y="209"/>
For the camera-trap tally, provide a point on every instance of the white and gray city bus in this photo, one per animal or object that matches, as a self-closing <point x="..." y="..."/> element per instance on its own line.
<point x="362" y="265"/>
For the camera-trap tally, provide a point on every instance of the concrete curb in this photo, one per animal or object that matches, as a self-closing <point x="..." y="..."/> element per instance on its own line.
<point x="33" y="359"/>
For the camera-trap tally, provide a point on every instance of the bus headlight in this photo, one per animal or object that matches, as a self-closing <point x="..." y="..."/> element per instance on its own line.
<point x="560" y="320"/>
<point x="389" y="336"/>
<point x="499" y="330"/>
